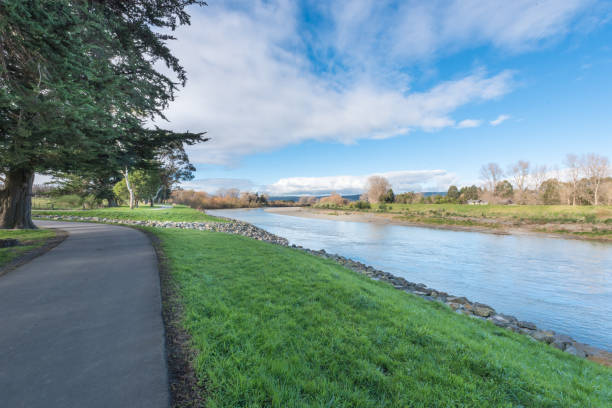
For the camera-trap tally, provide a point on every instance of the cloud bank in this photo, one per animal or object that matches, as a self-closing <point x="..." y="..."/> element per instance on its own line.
<point x="260" y="78"/>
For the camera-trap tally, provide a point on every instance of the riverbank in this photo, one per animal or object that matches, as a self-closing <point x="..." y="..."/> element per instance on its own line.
<point x="273" y="325"/>
<point x="440" y="219"/>
<point x="457" y="303"/>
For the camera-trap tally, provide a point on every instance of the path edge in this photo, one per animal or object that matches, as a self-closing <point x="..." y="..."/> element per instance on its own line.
<point x="183" y="383"/>
<point x="60" y="236"/>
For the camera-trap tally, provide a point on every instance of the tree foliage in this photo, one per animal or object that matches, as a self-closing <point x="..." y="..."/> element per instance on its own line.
<point x="453" y="193"/>
<point x="504" y="189"/>
<point x="77" y="86"/>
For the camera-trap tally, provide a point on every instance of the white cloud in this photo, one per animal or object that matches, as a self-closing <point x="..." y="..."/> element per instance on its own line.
<point x="420" y="30"/>
<point x="401" y="181"/>
<point x="499" y="120"/>
<point x="253" y="88"/>
<point x="469" y="123"/>
<point x="213" y="185"/>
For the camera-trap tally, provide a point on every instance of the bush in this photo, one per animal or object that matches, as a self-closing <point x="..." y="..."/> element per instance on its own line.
<point x="361" y="205"/>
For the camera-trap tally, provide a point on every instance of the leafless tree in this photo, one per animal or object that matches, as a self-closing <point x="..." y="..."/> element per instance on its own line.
<point x="596" y="168"/>
<point x="520" y="172"/>
<point x="573" y="171"/>
<point x="376" y="187"/>
<point x="491" y="174"/>
<point x="539" y="174"/>
<point x="307" y="200"/>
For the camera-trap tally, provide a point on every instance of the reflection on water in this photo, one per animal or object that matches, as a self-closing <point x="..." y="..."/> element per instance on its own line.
<point x="559" y="284"/>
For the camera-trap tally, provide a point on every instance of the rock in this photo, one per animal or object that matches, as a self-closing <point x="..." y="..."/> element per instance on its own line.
<point x="576" y="352"/>
<point x="499" y="320"/>
<point x="543" y="335"/>
<point x="562" y="341"/>
<point x="456" y="299"/>
<point x="527" y="325"/>
<point x="588" y="350"/>
<point x="483" y="310"/>
<point x="8" y="242"/>
<point x="509" y="318"/>
<point x="453" y="305"/>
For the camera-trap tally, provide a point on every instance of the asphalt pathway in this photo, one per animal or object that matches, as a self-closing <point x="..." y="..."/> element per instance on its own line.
<point x="81" y="326"/>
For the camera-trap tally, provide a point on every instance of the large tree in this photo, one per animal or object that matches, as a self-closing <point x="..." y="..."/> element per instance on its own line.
<point x="77" y="87"/>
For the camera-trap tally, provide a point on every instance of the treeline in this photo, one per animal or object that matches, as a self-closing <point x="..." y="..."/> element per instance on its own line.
<point x="230" y="198"/>
<point x="584" y="181"/>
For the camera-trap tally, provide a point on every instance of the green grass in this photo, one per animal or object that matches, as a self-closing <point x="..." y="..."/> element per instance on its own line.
<point x="525" y="213"/>
<point x="177" y="214"/>
<point x="520" y="213"/>
<point x="30" y="239"/>
<point x="65" y="202"/>
<point x="274" y="327"/>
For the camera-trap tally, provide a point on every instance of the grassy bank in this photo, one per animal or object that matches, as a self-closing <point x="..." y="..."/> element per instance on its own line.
<point x="177" y="213"/>
<point x="29" y="240"/>
<point x="588" y="222"/>
<point x="273" y="326"/>
<point x="526" y="213"/>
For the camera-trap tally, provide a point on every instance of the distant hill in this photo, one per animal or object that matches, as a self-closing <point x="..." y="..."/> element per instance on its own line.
<point x="351" y="197"/>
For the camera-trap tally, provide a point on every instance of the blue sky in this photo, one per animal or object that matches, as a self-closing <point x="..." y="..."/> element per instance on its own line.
<point x="310" y="97"/>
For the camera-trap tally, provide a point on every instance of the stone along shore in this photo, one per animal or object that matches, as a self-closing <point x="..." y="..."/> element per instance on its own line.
<point x="459" y="304"/>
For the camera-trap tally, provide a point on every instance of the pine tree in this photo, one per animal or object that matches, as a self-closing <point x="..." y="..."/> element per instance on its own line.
<point x="77" y="84"/>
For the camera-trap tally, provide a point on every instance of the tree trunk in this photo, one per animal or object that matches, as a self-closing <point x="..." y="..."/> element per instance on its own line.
<point x="126" y="174"/>
<point x="16" y="200"/>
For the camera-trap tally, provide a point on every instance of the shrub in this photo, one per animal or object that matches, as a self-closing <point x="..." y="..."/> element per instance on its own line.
<point x="361" y="205"/>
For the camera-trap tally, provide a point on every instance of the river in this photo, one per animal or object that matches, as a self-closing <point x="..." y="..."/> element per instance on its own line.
<point x="559" y="284"/>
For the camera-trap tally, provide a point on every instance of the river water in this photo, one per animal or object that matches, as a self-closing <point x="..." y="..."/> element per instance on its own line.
<point x="559" y="284"/>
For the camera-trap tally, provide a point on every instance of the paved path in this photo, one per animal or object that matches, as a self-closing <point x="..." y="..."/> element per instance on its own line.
<point x="81" y="325"/>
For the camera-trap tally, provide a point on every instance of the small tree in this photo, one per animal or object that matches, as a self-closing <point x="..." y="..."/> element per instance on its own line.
<point x="491" y="173"/>
<point x="388" y="197"/>
<point x="596" y="168"/>
<point x="453" y="193"/>
<point x="140" y="185"/>
<point x="469" y="193"/>
<point x="574" y="170"/>
<point x="504" y="189"/>
<point x="520" y="172"/>
<point x="549" y="191"/>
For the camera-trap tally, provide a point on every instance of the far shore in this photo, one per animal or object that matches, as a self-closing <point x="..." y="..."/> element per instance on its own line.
<point x="498" y="228"/>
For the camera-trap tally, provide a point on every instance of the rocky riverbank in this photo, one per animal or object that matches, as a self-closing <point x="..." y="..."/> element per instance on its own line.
<point x="459" y="304"/>
<point x="230" y="227"/>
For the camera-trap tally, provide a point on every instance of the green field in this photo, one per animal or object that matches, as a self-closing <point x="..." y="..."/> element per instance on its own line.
<point x="177" y="213"/>
<point x="30" y="239"/>
<point x="525" y="213"/>
<point x="275" y="327"/>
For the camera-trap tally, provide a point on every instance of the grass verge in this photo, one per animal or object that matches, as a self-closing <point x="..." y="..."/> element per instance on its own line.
<point x="272" y="326"/>
<point x="176" y="214"/>
<point x="30" y="240"/>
